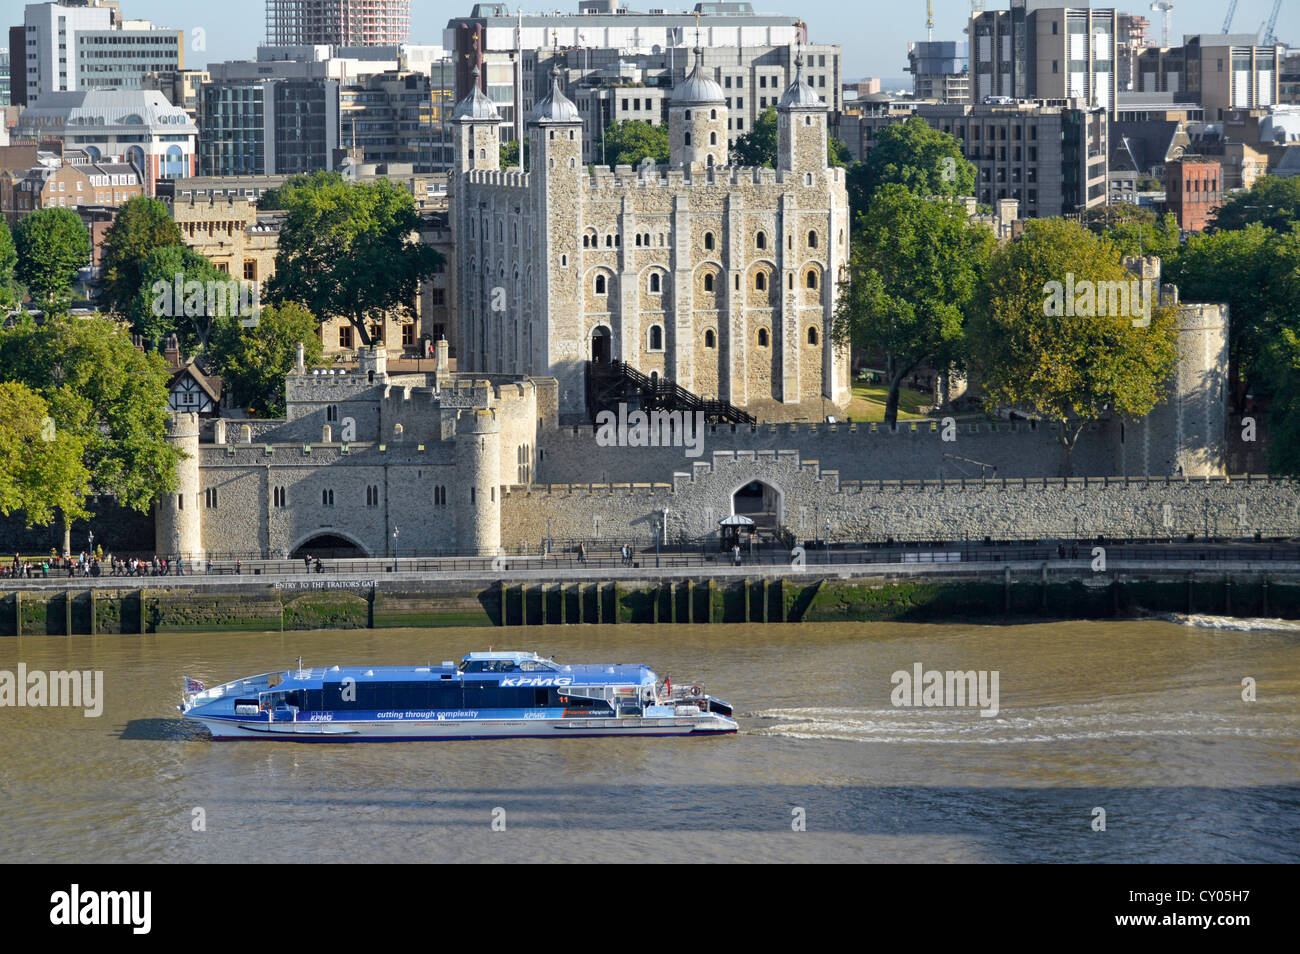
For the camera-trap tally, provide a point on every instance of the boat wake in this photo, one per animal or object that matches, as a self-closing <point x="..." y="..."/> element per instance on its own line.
<point x="1234" y="623"/>
<point x="966" y="726"/>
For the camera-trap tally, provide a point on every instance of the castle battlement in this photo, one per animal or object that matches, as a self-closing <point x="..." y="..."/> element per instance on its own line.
<point x="853" y="431"/>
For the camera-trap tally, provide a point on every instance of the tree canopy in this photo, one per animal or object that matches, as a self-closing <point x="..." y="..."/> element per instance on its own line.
<point x="52" y="245"/>
<point x="349" y="250"/>
<point x="509" y="154"/>
<point x="1272" y="202"/>
<point x="1135" y="230"/>
<point x="159" y="310"/>
<point x="141" y="226"/>
<point x="627" y="143"/>
<point x="103" y="392"/>
<point x="254" y="361"/>
<point x="916" y="156"/>
<point x="1041" y="339"/>
<point x="42" y="472"/>
<point x="8" y="263"/>
<point x="912" y="277"/>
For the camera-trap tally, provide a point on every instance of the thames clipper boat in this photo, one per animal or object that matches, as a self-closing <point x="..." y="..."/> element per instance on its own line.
<point x="492" y="695"/>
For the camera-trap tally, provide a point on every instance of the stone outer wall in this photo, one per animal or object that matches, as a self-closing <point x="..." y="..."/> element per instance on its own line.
<point x="807" y="496"/>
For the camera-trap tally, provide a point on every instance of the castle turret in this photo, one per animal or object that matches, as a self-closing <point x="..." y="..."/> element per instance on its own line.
<point x="477" y="125"/>
<point x="478" y="471"/>
<point x="178" y="529"/>
<point x="800" y="127"/>
<point x="697" y="121"/>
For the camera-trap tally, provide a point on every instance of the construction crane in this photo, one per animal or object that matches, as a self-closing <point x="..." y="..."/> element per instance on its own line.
<point x="1232" y="12"/>
<point x="1268" y="30"/>
<point x="1167" y="8"/>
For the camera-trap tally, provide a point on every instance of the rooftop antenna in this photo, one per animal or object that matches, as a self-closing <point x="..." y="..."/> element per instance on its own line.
<point x="929" y="19"/>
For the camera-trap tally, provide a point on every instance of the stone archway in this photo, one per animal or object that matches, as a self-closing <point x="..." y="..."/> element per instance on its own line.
<point x="760" y="502"/>
<point x="602" y="345"/>
<point x="328" y="544"/>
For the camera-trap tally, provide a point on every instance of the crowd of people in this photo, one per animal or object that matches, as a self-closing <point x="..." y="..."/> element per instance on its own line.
<point x="88" y="565"/>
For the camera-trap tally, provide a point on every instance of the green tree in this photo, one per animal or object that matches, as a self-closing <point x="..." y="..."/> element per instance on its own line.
<point x="627" y="143"/>
<point x="350" y="251"/>
<point x="1135" y="230"/>
<point x="8" y="263"/>
<point x="758" y="146"/>
<point x="1029" y="352"/>
<point x="105" y="393"/>
<point x="1254" y="271"/>
<point x="52" y="244"/>
<point x="42" y="472"/>
<point x="1281" y="361"/>
<point x="912" y="277"/>
<point x="158" y="311"/>
<point x="1272" y="202"/>
<point x="509" y="153"/>
<point x="142" y="225"/>
<point x="254" y="361"/>
<point x="918" y="157"/>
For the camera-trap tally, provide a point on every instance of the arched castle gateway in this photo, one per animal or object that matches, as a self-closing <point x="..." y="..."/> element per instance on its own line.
<point x="719" y="278"/>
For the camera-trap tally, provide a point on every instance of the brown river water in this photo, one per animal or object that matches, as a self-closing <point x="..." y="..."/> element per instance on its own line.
<point x="1144" y="719"/>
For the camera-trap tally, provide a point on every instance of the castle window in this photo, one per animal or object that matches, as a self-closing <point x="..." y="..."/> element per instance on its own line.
<point x="713" y="114"/>
<point x="372" y="496"/>
<point x="279" y="496"/>
<point x="331" y="412"/>
<point x="609" y="241"/>
<point x="656" y="342"/>
<point x="638" y="240"/>
<point x="571" y="137"/>
<point x="210" y="497"/>
<point x="482" y="153"/>
<point x="708" y="282"/>
<point x="807" y="179"/>
<point x="327" y="498"/>
<point x="713" y="140"/>
<point x="440" y="496"/>
<point x="810" y="280"/>
<point x="812" y="335"/>
<point x="586" y="241"/>
<point x="762" y="337"/>
<point x="654" y="283"/>
<point x="686" y="139"/>
<point x="760" y="240"/>
<point x="737" y="282"/>
<point x="789" y="282"/>
<point x="345" y="336"/>
<point x="812" y="239"/>
<point x="687" y="114"/>
<point x="807" y="120"/>
<point x="709" y="340"/>
<point x="760" y="282"/>
<point x="600" y="284"/>
<point x="564" y="261"/>
<point x="708" y="241"/>
<point x="552" y="133"/>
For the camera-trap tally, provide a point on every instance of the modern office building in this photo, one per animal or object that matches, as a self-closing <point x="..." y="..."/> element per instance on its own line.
<point x="1054" y="53"/>
<point x="4" y="77"/>
<point x="86" y="44"/>
<point x="268" y="127"/>
<point x="1052" y="159"/>
<point x="337" y="22"/>
<point x="940" y="71"/>
<point x="139" y="125"/>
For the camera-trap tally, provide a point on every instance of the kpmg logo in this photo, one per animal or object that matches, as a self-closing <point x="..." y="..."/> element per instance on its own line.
<point x="651" y="429"/>
<point x="537" y="681"/>
<point x="77" y="907"/>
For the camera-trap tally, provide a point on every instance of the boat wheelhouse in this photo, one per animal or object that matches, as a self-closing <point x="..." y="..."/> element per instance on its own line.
<point x="488" y="695"/>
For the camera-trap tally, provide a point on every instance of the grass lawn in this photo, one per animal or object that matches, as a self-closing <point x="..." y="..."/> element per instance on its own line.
<point x="868" y="403"/>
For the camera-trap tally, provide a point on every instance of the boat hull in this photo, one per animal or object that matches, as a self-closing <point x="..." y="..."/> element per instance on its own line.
<point x="448" y="730"/>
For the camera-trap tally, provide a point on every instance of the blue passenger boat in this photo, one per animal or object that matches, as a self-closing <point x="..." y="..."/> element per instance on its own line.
<point x="492" y="695"/>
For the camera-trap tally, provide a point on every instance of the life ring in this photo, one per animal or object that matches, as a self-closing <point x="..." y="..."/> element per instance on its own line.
<point x="697" y="691"/>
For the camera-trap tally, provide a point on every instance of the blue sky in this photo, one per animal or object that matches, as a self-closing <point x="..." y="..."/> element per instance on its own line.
<point x="874" y="34"/>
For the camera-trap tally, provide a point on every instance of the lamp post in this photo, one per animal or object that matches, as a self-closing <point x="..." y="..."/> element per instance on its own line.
<point x="396" y="530"/>
<point x="659" y="527"/>
<point x="828" y="541"/>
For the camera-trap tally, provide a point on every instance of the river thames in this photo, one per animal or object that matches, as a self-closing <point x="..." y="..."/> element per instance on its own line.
<point x="1143" y="720"/>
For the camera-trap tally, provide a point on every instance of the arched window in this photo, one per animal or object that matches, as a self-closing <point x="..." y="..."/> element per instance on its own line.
<point x="708" y="241"/>
<point x="708" y="282"/>
<point x="638" y="240"/>
<point x="812" y="334"/>
<point x="713" y="139"/>
<point x="812" y="239"/>
<point x="482" y="153"/>
<point x="654" y="283"/>
<point x="713" y="114"/>
<point x="686" y="141"/>
<point x="609" y="241"/>
<point x="789" y="282"/>
<point x="811" y="279"/>
<point x="760" y="240"/>
<point x="600" y="284"/>
<point x="762" y="337"/>
<point x="760" y="281"/>
<point x="656" y="341"/>
<point x="709" y="340"/>
<point x="688" y="114"/>
<point x="586" y="241"/>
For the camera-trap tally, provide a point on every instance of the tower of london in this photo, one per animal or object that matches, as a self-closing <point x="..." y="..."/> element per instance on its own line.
<point x="719" y="278"/>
